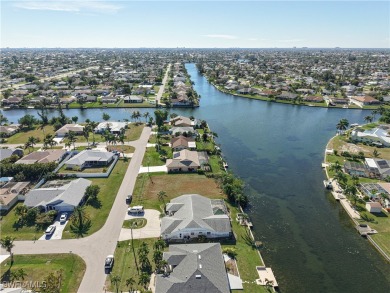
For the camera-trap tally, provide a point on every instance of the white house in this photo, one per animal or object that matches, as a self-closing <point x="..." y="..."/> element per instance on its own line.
<point x="112" y="126"/>
<point x="377" y="136"/>
<point x="63" y="198"/>
<point x="192" y="215"/>
<point x="374" y="207"/>
<point x="90" y="158"/>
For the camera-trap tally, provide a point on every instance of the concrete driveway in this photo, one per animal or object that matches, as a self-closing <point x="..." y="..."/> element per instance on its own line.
<point x="152" y="169"/>
<point x="57" y="233"/>
<point x="151" y="230"/>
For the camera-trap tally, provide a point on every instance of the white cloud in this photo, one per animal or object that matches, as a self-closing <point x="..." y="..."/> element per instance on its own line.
<point x="252" y="39"/>
<point x="69" y="6"/>
<point x="227" y="37"/>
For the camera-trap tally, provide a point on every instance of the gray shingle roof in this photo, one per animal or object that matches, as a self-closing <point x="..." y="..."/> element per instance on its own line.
<point x="69" y="194"/>
<point x="193" y="210"/>
<point x="89" y="155"/>
<point x="198" y="268"/>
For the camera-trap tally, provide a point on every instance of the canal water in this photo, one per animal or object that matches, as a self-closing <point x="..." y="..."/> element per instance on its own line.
<point x="277" y="150"/>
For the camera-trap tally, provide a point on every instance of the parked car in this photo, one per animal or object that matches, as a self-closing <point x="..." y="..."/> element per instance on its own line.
<point x="50" y="230"/>
<point x="63" y="217"/>
<point x="129" y="198"/>
<point x="109" y="263"/>
<point x="135" y="210"/>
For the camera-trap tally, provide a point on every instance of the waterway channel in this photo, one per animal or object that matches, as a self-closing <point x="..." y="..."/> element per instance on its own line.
<point x="277" y="150"/>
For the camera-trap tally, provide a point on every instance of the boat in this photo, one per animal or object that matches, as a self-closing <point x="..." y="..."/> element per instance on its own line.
<point x="328" y="184"/>
<point x="345" y="106"/>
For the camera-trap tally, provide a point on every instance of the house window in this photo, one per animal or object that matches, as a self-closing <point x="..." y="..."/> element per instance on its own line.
<point x="192" y="233"/>
<point x="200" y="232"/>
<point x="208" y="233"/>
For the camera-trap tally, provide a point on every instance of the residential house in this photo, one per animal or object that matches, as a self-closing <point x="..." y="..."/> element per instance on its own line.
<point x="378" y="168"/>
<point x="184" y="161"/>
<point x="112" y="126"/>
<point x="181" y="142"/>
<point x="377" y="136"/>
<point x="6" y="153"/>
<point x="313" y="99"/>
<point x="182" y="121"/>
<point x="109" y="99"/>
<point x="244" y="91"/>
<point x="193" y="268"/>
<point x="357" y="169"/>
<point x="133" y="99"/>
<point x="58" y="195"/>
<point x="364" y="101"/>
<point x="64" y="130"/>
<point x="338" y="101"/>
<point x="12" y="101"/>
<point x="175" y="131"/>
<point x="9" y="130"/>
<point x="191" y="216"/>
<point x="46" y="156"/>
<point x="90" y="159"/>
<point x="374" y="207"/>
<point x="11" y="193"/>
<point x="288" y="96"/>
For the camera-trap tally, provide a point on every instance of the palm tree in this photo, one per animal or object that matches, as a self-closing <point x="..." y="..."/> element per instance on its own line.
<point x="129" y="283"/>
<point x="8" y="243"/>
<point x="336" y="167"/>
<point x="31" y="141"/>
<point x="144" y="279"/>
<point x="86" y="131"/>
<point x="342" y="125"/>
<point x="115" y="279"/>
<point x="341" y="178"/>
<point x="3" y="119"/>
<point x="159" y="244"/>
<point x="93" y="125"/>
<point x="375" y="153"/>
<point x="72" y="138"/>
<point x="146" y="116"/>
<point x="80" y="222"/>
<point x="368" y="119"/>
<point x="374" y="113"/>
<point x="21" y="211"/>
<point x="161" y="197"/>
<point x="49" y="141"/>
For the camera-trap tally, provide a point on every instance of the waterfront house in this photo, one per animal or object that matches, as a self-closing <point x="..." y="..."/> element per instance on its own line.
<point x="191" y="216"/>
<point x="184" y="161"/>
<point x="133" y="99"/>
<point x="364" y="101"/>
<point x="193" y="268"/>
<point x="357" y="169"/>
<point x="64" y="130"/>
<point x="90" y="159"/>
<point x="287" y="96"/>
<point x="46" y="156"/>
<point x="9" y="130"/>
<point x="109" y="99"/>
<point x="377" y="136"/>
<point x="190" y="131"/>
<point x="374" y="207"/>
<point x="62" y="196"/>
<point x="313" y="99"/>
<point x="378" y="168"/>
<point x="181" y="142"/>
<point x="11" y="193"/>
<point x="182" y="121"/>
<point x="112" y="126"/>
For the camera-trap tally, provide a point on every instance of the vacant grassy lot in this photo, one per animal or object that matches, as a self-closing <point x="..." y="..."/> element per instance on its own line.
<point x="134" y="131"/>
<point x="147" y="188"/>
<point x="124" y="265"/>
<point x="152" y="158"/>
<point x="109" y="187"/>
<point x="37" y="267"/>
<point x="9" y="227"/>
<point x="22" y="136"/>
<point x="127" y="149"/>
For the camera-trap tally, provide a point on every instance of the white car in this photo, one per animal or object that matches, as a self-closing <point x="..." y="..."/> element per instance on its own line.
<point x="63" y="217"/>
<point x="50" y="230"/>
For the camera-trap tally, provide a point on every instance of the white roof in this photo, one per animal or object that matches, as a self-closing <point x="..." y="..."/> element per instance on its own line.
<point x="371" y="163"/>
<point x="113" y="125"/>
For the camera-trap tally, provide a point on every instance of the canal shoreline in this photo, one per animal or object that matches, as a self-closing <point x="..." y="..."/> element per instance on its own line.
<point x="346" y="209"/>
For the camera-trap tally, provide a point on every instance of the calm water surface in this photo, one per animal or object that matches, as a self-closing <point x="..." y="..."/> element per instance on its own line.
<point x="277" y="150"/>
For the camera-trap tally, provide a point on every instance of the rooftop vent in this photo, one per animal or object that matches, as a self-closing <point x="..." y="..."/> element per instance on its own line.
<point x="198" y="276"/>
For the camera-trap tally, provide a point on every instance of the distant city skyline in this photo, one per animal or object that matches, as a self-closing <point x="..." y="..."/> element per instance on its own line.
<point x="198" y="24"/>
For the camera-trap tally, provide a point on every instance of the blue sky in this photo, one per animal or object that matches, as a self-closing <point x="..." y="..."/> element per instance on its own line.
<point x="195" y="24"/>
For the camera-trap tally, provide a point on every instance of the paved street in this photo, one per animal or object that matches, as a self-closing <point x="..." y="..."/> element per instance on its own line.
<point x="161" y="90"/>
<point x="95" y="248"/>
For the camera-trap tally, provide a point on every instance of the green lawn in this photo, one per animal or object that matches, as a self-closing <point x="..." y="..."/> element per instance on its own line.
<point x="37" y="267"/>
<point x="22" y="136"/>
<point x="108" y="190"/>
<point x="144" y="104"/>
<point x="134" y="131"/>
<point x="152" y="158"/>
<point x="9" y="227"/>
<point x="63" y="170"/>
<point x="247" y="254"/>
<point x="135" y="223"/>
<point x="124" y="265"/>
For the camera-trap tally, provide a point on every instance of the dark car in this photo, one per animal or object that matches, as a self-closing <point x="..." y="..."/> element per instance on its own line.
<point x="109" y="263"/>
<point x="129" y="198"/>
